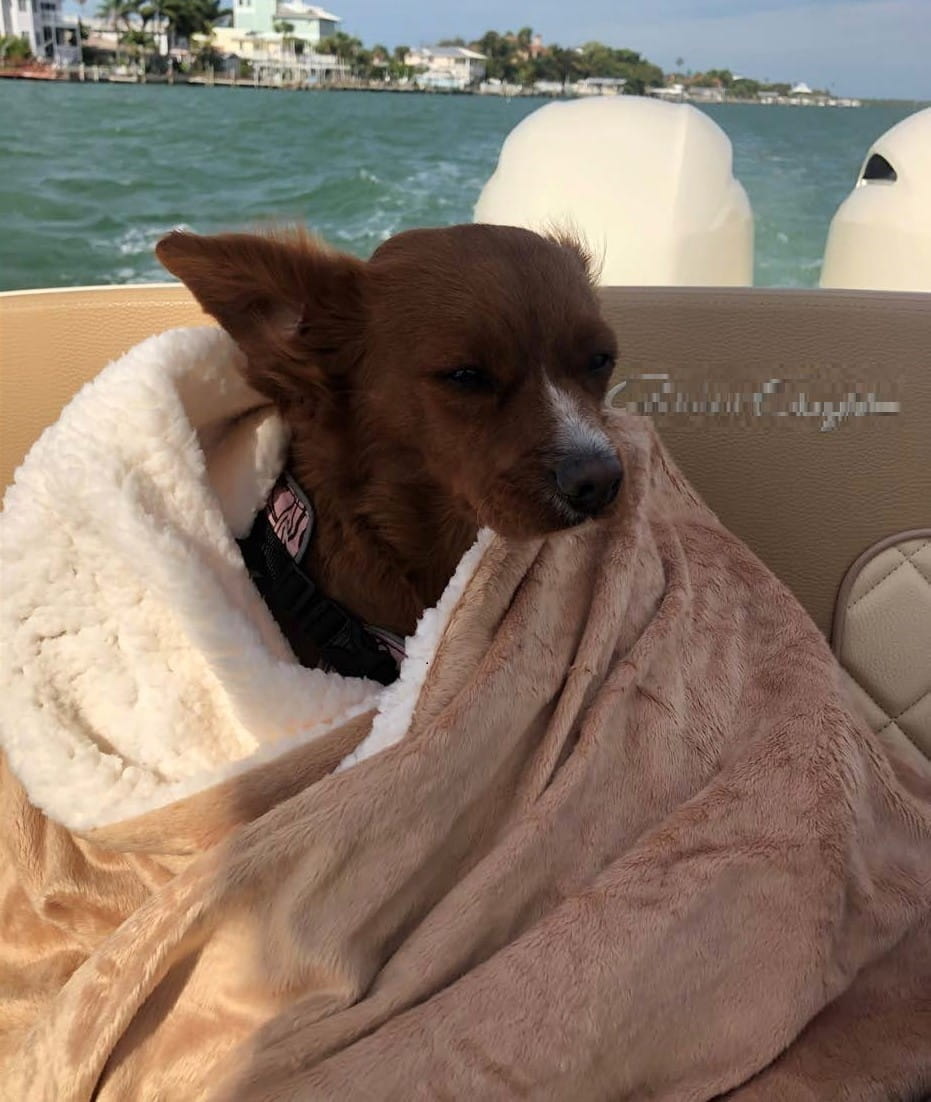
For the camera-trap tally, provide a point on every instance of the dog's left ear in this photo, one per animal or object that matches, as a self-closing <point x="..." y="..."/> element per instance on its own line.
<point x="294" y="306"/>
<point x="570" y="239"/>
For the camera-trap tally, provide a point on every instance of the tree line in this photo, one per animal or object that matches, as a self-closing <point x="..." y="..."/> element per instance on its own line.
<point x="514" y="58"/>
<point x="522" y="59"/>
<point x="511" y="58"/>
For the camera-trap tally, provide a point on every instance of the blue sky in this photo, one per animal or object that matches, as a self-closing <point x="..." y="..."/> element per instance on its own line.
<point x="876" y="48"/>
<point x="859" y="47"/>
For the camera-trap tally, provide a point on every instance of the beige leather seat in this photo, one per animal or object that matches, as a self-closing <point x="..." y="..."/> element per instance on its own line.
<point x="804" y="418"/>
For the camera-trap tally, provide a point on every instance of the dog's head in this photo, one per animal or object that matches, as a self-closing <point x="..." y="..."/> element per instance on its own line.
<point x="478" y="351"/>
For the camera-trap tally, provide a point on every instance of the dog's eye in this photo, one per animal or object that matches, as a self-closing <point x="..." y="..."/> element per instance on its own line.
<point x="468" y="378"/>
<point x="601" y="363"/>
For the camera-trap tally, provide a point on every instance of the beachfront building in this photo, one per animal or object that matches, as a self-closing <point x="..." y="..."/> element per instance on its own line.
<point x="275" y="36"/>
<point x="446" y="67"/>
<point x="270" y="33"/>
<point x="279" y="58"/>
<point x="310" y="23"/>
<point x="701" y="93"/>
<point x="599" y="86"/>
<point x="50" y="35"/>
<point x="672" y="93"/>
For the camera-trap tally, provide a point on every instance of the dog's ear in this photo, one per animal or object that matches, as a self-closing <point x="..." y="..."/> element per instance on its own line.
<point x="293" y="306"/>
<point x="571" y="239"/>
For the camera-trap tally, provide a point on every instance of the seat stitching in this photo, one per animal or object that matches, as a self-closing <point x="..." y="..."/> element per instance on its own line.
<point x="867" y="692"/>
<point x="914" y="704"/>
<point x="906" y="561"/>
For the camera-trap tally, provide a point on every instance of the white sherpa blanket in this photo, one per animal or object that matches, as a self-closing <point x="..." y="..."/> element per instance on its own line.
<point x="140" y="662"/>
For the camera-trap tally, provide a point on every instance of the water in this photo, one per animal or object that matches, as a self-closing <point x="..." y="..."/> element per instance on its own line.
<point x="92" y="175"/>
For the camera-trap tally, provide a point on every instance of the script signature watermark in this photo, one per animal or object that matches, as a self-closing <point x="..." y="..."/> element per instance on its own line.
<point x="831" y="403"/>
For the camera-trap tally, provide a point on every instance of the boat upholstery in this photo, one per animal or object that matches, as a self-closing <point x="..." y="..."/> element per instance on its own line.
<point x="882" y="635"/>
<point x="802" y="417"/>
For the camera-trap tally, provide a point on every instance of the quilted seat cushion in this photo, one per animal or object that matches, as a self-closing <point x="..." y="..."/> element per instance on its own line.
<point x="882" y="635"/>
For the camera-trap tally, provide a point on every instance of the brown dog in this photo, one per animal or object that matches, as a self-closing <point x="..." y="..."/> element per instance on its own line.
<point x="454" y="381"/>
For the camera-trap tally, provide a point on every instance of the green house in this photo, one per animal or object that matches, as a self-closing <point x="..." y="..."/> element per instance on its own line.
<point x="310" y="23"/>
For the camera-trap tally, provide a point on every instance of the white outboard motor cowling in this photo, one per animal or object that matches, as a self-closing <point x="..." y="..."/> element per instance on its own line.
<point x="880" y="237"/>
<point x="648" y="185"/>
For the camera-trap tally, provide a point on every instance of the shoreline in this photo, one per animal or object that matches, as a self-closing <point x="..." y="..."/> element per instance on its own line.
<point x="98" y="75"/>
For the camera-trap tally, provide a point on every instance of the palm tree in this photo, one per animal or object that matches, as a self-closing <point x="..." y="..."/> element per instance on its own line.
<point x="288" y="40"/>
<point x="343" y="45"/>
<point x="116" y="12"/>
<point x="185" y="18"/>
<point x="134" y="17"/>
<point x="398" y="68"/>
<point x="565" y="62"/>
<point x="81" y="4"/>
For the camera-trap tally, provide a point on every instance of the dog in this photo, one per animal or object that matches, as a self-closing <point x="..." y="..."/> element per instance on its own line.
<point x="453" y="381"/>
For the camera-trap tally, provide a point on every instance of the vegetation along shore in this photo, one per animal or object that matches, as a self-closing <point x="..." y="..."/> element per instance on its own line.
<point x="197" y="42"/>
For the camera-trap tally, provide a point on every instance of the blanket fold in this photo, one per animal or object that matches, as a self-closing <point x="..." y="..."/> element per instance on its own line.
<point x="613" y="833"/>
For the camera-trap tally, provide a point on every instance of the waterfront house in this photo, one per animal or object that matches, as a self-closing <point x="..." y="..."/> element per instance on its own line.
<point x="277" y="57"/>
<point x="263" y="17"/>
<point x="51" y="36"/>
<point x="672" y="93"/>
<point x="447" y="67"/>
<point x="549" y="87"/>
<point x="599" y="86"/>
<point x="700" y="93"/>
<point x="279" y="36"/>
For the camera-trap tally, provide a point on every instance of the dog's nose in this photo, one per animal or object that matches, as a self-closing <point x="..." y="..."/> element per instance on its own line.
<point x="589" y="483"/>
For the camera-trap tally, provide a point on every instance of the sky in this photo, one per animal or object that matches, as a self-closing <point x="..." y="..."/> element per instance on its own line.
<point x="869" y="48"/>
<point x="874" y="48"/>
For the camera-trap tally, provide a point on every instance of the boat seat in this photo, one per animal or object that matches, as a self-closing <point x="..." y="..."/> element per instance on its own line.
<point x="802" y="417"/>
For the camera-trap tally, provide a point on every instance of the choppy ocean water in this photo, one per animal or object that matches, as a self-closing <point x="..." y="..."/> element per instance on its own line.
<point x="92" y="175"/>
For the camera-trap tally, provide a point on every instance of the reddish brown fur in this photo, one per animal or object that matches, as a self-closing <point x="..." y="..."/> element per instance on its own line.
<point x="402" y="465"/>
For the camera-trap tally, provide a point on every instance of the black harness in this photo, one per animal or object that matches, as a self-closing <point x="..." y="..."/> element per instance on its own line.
<point x="310" y="621"/>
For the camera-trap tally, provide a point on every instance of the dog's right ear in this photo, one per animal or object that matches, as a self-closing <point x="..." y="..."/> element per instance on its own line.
<point x="294" y="306"/>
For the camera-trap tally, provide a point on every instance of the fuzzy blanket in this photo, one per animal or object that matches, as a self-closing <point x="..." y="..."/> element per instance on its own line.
<point x="613" y="834"/>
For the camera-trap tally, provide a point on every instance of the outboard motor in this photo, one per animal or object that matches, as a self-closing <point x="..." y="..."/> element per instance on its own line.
<point x="648" y="185"/>
<point x="880" y="237"/>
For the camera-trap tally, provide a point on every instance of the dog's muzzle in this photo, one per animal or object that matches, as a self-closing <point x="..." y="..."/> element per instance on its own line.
<point x="589" y="483"/>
